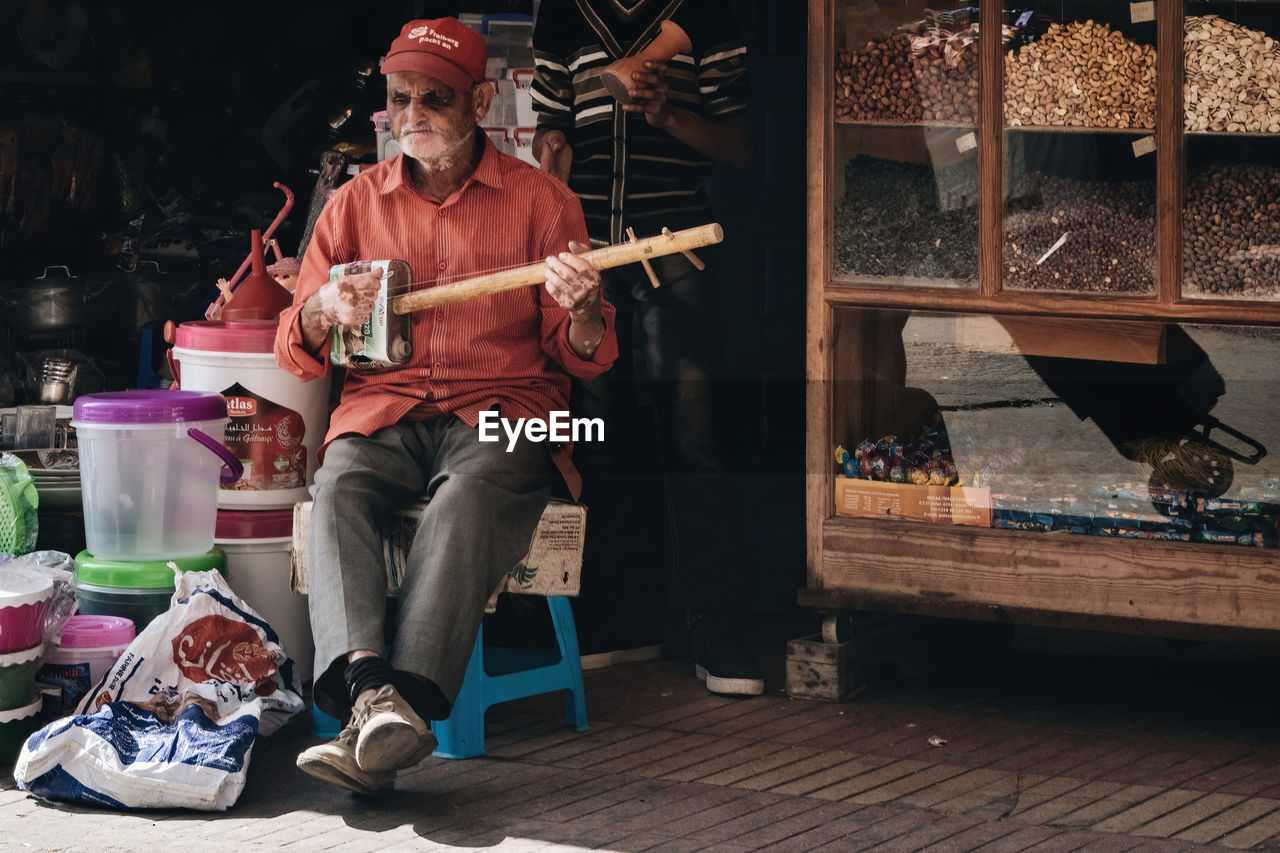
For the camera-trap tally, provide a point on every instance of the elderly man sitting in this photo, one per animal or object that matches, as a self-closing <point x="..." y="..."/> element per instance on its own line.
<point x="451" y="205"/>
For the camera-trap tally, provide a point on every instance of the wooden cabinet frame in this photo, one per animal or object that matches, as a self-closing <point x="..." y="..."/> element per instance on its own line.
<point x="1176" y="589"/>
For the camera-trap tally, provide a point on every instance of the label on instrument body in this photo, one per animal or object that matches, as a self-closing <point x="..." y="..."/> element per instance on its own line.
<point x="385" y="339"/>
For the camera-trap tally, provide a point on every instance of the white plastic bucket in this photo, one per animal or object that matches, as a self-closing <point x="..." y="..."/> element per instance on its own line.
<point x="276" y="422"/>
<point x="150" y="465"/>
<point x="258" y="568"/>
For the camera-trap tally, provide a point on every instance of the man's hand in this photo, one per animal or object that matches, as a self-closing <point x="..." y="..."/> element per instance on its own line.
<point x="725" y="141"/>
<point x="649" y="92"/>
<point x="575" y="286"/>
<point x="553" y="153"/>
<point x="345" y="302"/>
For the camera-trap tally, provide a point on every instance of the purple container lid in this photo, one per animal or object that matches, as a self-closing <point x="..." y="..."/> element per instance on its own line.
<point x="231" y="336"/>
<point x="148" y="407"/>
<point x="86" y="631"/>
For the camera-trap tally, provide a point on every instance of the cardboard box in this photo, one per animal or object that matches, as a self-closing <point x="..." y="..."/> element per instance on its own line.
<point x="965" y="505"/>
<point x="553" y="565"/>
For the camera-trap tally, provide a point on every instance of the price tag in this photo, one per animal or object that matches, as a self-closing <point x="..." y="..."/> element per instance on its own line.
<point x="967" y="142"/>
<point x="1139" y="12"/>
<point x="1145" y="145"/>
<point x="1024" y="18"/>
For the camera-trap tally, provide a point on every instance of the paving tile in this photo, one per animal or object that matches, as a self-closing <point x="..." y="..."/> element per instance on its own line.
<point x="1146" y="811"/>
<point x="730" y="808"/>
<point x="898" y="788"/>
<point x="999" y="793"/>
<point x="1251" y="834"/>
<point x="743" y="756"/>
<point x="982" y="834"/>
<point x="677" y="801"/>
<point x="871" y="779"/>
<point x="761" y="766"/>
<point x="949" y="789"/>
<point x="712" y="750"/>
<point x="833" y="775"/>
<point x="833" y="831"/>
<point x="781" y="830"/>
<point x="930" y="835"/>
<point x="1200" y="810"/>
<point x="903" y="822"/>
<point x="1072" y="800"/>
<point x="1023" y="838"/>
<point x="1033" y="794"/>
<point x="740" y="828"/>
<point x="805" y="768"/>
<point x="1111" y="804"/>
<point x="1228" y="821"/>
<point x="596" y="754"/>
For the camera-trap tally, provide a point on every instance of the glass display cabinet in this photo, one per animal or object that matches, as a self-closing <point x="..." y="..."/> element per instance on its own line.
<point x="1043" y="330"/>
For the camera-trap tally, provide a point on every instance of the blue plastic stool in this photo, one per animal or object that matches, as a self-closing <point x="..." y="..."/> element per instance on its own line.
<point x="323" y="725"/>
<point x="522" y="674"/>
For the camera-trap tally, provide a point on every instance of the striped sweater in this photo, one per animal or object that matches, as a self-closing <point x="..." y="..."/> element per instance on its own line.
<point x="626" y="173"/>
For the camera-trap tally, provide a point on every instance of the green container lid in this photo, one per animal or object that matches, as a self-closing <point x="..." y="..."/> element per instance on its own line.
<point x="142" y="574"/>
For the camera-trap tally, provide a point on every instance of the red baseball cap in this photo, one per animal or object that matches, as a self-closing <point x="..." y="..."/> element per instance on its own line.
<point x="444" y="48"/>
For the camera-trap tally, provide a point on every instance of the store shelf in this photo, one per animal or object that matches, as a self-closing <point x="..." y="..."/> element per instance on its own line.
<point x="1027" y="184"/>
<point x="969" y="567"/>
<point x="1061" y="128"/>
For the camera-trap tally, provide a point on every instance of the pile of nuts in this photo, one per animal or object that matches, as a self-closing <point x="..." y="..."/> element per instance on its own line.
<point x="1232" y="77"/>
<point x="1081" y="75"/>
<point x="908" y="79"/>
<point x="1231" y="232"/>
<point x="1110" y="230"/>
<point x="891" y="222"/>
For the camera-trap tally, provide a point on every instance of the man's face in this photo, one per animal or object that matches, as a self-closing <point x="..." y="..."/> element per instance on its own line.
<point x="433" y="123"/>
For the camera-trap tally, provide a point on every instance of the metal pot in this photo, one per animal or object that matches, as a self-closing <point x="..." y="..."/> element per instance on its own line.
<point x="150" y="294"/>
<point x="56" y="300"/>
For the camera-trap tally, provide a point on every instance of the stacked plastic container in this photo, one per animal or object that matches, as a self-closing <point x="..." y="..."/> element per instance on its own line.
<point x="511" y="121"/>
<point x="275" y="425"/>
<point x="24" y="597"/>
<point x="90" y="645"/>
<point x="150" y="466"/>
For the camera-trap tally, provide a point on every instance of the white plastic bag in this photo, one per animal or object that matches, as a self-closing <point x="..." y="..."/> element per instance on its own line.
<point x="172" y="724"/>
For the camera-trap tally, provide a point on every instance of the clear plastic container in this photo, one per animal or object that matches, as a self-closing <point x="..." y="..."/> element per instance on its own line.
<point x="150" y="466"/>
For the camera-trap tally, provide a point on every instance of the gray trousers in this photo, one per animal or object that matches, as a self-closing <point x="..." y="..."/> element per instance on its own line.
<point x="484" y="506"/>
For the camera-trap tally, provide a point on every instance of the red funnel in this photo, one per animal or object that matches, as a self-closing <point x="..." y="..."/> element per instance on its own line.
<point x="259" y="296"/>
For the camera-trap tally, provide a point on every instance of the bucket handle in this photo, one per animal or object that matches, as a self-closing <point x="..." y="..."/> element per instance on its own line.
<point x="232" y="469"/>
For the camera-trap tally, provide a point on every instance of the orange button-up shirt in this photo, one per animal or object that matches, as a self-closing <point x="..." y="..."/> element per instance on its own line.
<point x="509" y="350"/>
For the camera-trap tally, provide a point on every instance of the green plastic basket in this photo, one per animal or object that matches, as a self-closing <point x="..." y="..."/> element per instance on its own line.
<point x="18" y="503"/>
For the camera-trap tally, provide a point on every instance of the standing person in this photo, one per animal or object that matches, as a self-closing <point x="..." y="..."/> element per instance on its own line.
<point x="643" y="166"/>
<point x="408" y="430"/>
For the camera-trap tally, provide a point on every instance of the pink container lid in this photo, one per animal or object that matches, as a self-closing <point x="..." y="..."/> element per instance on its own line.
<point x="253" y="524"/>
<point x="97" y="632"/>
<point x="228" y="336"/>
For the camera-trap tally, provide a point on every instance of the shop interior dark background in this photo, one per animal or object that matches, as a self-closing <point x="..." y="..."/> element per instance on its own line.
<point x="173" y="120"/>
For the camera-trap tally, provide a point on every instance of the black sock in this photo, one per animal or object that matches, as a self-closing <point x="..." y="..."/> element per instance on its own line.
<point x="423" y="695"/>
<point x="366" y="674"/>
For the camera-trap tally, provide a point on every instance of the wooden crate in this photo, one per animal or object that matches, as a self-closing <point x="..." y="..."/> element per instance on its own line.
<point x="818" y="670"/>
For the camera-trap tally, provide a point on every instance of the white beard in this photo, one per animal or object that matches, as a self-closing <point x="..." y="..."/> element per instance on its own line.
<point x="425" y="148"/>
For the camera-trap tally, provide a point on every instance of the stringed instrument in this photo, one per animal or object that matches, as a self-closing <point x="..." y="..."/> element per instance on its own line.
<point x="384" y="339"/>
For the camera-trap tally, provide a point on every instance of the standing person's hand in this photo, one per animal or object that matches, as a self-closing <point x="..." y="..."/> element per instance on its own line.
<point x="554" y="154"/>
<point x="649" y="92"/>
